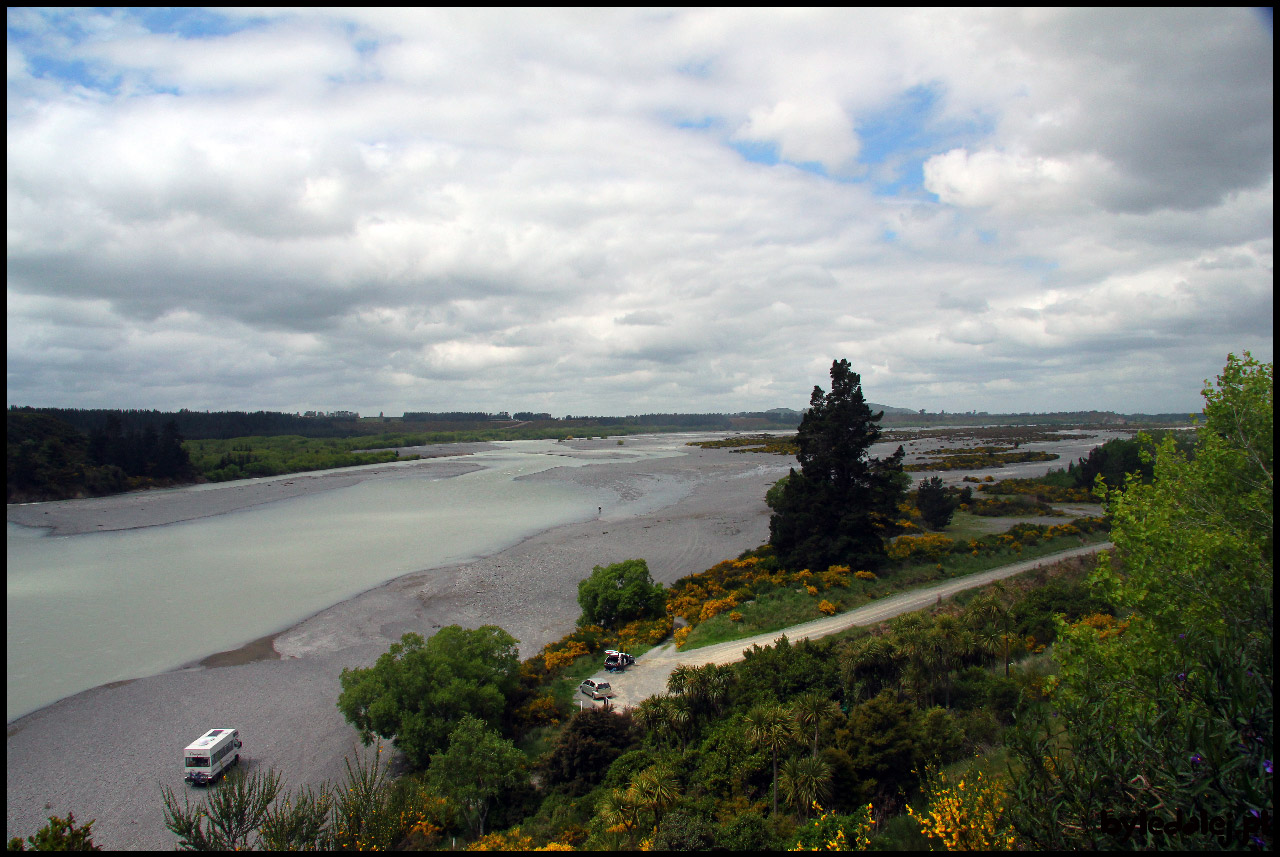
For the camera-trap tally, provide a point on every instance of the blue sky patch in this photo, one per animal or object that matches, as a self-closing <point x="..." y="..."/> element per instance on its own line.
<point x="191" y="23"/>
<point x="898" y="139"/>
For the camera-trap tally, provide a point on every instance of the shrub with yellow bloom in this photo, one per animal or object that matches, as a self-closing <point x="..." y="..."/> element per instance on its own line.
<point x="826" y="607"/>
<point x="865" y="575"/>
<point x="681" y="635"/>
<point x="1106" y="625"/>
<point x="931" y="546"/>
<point x="649" y="632"/>
<point x="715" y="607"/>
<point x="971" y="815"/>
<point x="556" y="658"/>
<point x="831" y="832"/>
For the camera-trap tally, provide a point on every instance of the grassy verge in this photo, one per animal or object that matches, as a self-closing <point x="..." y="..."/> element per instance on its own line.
<point x="783" y="608"/>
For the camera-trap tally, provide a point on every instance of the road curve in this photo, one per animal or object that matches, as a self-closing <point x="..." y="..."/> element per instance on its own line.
<point x="649" y="675"/>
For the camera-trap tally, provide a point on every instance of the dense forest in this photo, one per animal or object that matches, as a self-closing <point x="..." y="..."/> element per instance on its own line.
<point x="48" y="459"/>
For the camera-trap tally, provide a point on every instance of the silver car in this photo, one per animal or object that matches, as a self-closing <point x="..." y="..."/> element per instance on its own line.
<point x="596" y="689"/>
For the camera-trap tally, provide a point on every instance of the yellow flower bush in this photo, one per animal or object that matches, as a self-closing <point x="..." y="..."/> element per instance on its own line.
<point x="681" y="635"/>
<point x="931" y="546"/>
<point x="647" y="632"/>
<point x="563" y="657"/>
<point x="715" y="607"/>
<point x="826" y="607"/>
<point x="1106" y="625"/>
<point x="865" y="575"/>
<point x="830" y="832"/>
<point x="971" y="815"/>
<point x="511" y="840"/>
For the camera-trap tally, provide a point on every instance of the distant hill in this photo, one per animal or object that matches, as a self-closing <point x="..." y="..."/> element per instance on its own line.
<point x="890" y="410"/>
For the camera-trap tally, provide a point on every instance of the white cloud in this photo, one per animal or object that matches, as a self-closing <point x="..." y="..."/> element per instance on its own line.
<point x="413" y="209"/>
<point x="810" y="130"/>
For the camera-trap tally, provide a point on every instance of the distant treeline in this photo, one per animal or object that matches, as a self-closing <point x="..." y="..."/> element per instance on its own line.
<point x="224" y="425"/>
<point x="49" y="459"/>
<point x="204" y="424"/>
<point x="456" y="416"/>
<point x="1063" y="418"/>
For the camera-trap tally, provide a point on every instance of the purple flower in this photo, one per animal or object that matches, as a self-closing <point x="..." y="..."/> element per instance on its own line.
<point x="1182" y="636"/>
<point x="1182" y="676"/>
<point x="1196" y="758"/>
<point x="1266" y="765"/>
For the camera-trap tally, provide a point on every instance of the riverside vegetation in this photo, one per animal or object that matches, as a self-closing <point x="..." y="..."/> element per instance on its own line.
<point x="1067" y="707"/>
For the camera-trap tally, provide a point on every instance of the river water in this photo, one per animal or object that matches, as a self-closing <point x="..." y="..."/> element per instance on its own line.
<point x="90" y="609"/>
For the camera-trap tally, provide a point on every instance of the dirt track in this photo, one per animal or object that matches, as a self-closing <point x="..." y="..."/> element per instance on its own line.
<point x="649" y="675"/>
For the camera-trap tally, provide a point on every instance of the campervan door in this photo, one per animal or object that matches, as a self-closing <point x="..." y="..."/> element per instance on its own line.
<point x="208" y="757"/>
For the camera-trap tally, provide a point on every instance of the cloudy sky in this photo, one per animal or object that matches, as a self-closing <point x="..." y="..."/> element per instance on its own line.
<point x="633" y="212"/>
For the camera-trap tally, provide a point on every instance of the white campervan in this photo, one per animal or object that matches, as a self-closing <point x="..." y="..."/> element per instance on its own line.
<point x="209" y="756"/>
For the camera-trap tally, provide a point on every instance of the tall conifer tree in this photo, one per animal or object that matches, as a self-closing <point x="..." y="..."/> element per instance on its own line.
<point x="842" y="504"/>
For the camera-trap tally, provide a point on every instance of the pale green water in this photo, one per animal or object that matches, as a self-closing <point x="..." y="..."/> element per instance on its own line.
<point x="90" y="609"/>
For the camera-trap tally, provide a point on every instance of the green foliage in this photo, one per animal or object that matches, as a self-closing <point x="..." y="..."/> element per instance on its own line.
<point x="831" y="832"/>
<point x="585" y="749"/>
<point x="246" y="457"/>
<point x="841" y="505"/>
<point x="417" y="691"/>
<point x="773" y="497"/>
<point x="49" y="459"/>
<point x="963" y="460"/>
<point x="616" y="594"/>
<point x="1172" y="712"/>
<point x="368" y="812"/>
<point x="478" y="767"/>
<point x="771" y="728"/>
<point x="783" y="670"/>
<point x="682" y="830"/>
<point x="747" y="831"/>
<point x="881" y="741"/>
<point x="935" y="504"/>
<point x="940" y="736"/>
<point x="300" y="822"/>
<point x="362" y="817"/>
<point x="1113" y="461"/>
<point x="230" y="817"/>
<point x="60" y="834"/>
<point x="805" y="780"/>
<point x="752" y="443"/>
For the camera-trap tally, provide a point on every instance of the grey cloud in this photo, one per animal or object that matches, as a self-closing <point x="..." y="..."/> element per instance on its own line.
<point x="966" y="303"/>
<point x="644" y="318"/>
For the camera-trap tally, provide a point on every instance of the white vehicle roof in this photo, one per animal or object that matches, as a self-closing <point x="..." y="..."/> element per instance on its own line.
<point x="210" y="738"/>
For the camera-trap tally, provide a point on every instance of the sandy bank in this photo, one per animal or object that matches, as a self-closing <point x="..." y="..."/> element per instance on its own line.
<point x="681" y="514"/>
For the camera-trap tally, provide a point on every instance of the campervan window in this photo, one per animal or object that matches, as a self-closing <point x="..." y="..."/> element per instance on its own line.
<point x="197" y="761"/>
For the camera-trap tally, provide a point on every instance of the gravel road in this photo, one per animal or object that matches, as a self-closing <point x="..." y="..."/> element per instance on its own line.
<point x="649" y="675"/>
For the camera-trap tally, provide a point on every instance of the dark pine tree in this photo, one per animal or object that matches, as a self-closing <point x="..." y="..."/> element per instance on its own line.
<point x="935" y="504"/>
<point x="842" y="504"/>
